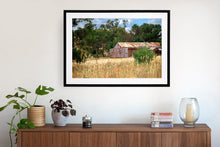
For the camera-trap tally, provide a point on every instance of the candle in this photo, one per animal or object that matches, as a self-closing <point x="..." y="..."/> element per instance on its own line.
<point x="189" y="114"/>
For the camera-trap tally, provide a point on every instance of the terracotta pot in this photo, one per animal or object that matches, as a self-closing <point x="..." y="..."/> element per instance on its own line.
<point x="58" y="118"/>
<point x="36" y="115"/>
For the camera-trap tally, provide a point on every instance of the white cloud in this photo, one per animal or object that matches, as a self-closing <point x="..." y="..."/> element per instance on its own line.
<point x="99" y="21"/>
<point x="120" y="22"/>
<point x="154" y="21"/>
<point x="128" y="29"/>
<point x="79" y="25"/>
<point x="130" y="21"/>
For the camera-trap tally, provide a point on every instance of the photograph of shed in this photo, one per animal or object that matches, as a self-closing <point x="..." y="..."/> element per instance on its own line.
<point x="125" y="49"/>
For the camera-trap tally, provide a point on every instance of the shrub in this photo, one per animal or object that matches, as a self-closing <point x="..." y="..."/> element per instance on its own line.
<point x="143" y="55"/>
<point x="79" y="56"/>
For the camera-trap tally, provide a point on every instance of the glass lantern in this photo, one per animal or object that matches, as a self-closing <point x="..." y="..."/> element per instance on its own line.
<point x="189" y="111"/>
<point x="87" y="122"/>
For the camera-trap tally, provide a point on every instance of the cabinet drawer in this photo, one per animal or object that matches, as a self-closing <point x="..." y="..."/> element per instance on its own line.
<point x="45" y="139"/>
<point x="138" y="139"/>
<point x="186" y="139"/>
<point x="92" y="139"/>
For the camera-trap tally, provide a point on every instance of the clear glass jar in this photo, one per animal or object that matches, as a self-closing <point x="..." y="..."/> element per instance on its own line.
<point x="189" y="111"/>
<point x="87" y="122"/>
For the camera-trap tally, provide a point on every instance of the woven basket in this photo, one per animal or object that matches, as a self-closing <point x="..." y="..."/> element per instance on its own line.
<point x="36" y="115"/>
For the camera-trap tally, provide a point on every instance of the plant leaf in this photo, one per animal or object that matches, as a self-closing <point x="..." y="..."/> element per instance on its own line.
<point x="23" y="90"/>
<point x="15" y="95"/>
<point x="24" y="127"/>
<point x="10" y="102"/>
<point x="2" y="108"/>
<point x="9" y="124"/>
<point x="50" y="89"/>
<point x="13" y="129"/>
<point x="24" y="121"/>
<point x="22" y="96"/>
<point x="65" y="113"/>
<point x="43" y="90"/>
<point x="25" y="124"/>
<point x="30" y="125"/>
<point x="9" y="96"/>
<point x="19" y="126"/>
<point x="73" y="112"/>
<point x="69" y="101"/>
<point x="17" y="106"/>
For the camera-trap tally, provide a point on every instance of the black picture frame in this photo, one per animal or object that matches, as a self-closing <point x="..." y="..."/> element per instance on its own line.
<point x="69" y="83"/>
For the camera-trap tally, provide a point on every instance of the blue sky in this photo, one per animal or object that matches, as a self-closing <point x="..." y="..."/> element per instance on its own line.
<point x="131" y="22"/>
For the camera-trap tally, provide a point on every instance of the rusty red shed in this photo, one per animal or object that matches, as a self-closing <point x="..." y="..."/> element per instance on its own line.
<point x="125" y="49"/>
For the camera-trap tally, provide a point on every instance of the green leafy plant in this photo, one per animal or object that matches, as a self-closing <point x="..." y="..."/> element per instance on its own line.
<point x="20" y="103"/>
<point x="143" y="55"/>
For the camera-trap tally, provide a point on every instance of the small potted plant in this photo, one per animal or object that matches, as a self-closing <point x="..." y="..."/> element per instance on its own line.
<point x="61" y="111"/>
<point x="20" y="102"/>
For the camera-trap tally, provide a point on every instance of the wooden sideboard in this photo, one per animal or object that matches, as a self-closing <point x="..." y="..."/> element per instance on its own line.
<point x="115" y="135"/>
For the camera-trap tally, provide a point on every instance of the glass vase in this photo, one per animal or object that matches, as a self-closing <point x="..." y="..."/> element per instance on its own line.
<point x="189" y="111"/>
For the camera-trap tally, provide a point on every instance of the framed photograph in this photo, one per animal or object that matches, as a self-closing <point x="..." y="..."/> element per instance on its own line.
<point x="117" y="48"/>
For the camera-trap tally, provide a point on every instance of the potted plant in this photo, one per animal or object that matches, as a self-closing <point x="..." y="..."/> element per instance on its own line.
<point x="36" y="113"/>
<point x="20" y="103"/>
<point x="61" y="111"/>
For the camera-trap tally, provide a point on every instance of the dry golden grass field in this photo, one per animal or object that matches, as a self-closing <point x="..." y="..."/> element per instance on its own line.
<point x="117" y="68"/>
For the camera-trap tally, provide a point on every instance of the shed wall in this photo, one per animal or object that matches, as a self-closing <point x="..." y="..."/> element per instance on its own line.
<point x="119" y="53"/>
<point x="130" y="50"/>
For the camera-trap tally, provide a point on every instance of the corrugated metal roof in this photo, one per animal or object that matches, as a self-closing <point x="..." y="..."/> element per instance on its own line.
<point x="153" y="44"/>
<point x="138" y="44"/>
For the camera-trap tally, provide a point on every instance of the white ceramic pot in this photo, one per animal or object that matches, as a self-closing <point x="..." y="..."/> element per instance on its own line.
<point x="58" y="118"/>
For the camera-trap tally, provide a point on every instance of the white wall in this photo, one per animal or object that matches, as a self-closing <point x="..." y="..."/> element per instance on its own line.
<point x="31" y="53"/>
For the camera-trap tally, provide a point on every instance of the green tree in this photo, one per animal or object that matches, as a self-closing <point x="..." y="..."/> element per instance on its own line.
<point x="79" y="56"/>
<point x="136" y="33"/>
<point x="151" y="32"/>
<point x="125" y="23"/>
<point x="143" y="55"/>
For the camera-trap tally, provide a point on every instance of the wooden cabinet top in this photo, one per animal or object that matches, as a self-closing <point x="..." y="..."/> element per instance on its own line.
<point x="119" y="128"/>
